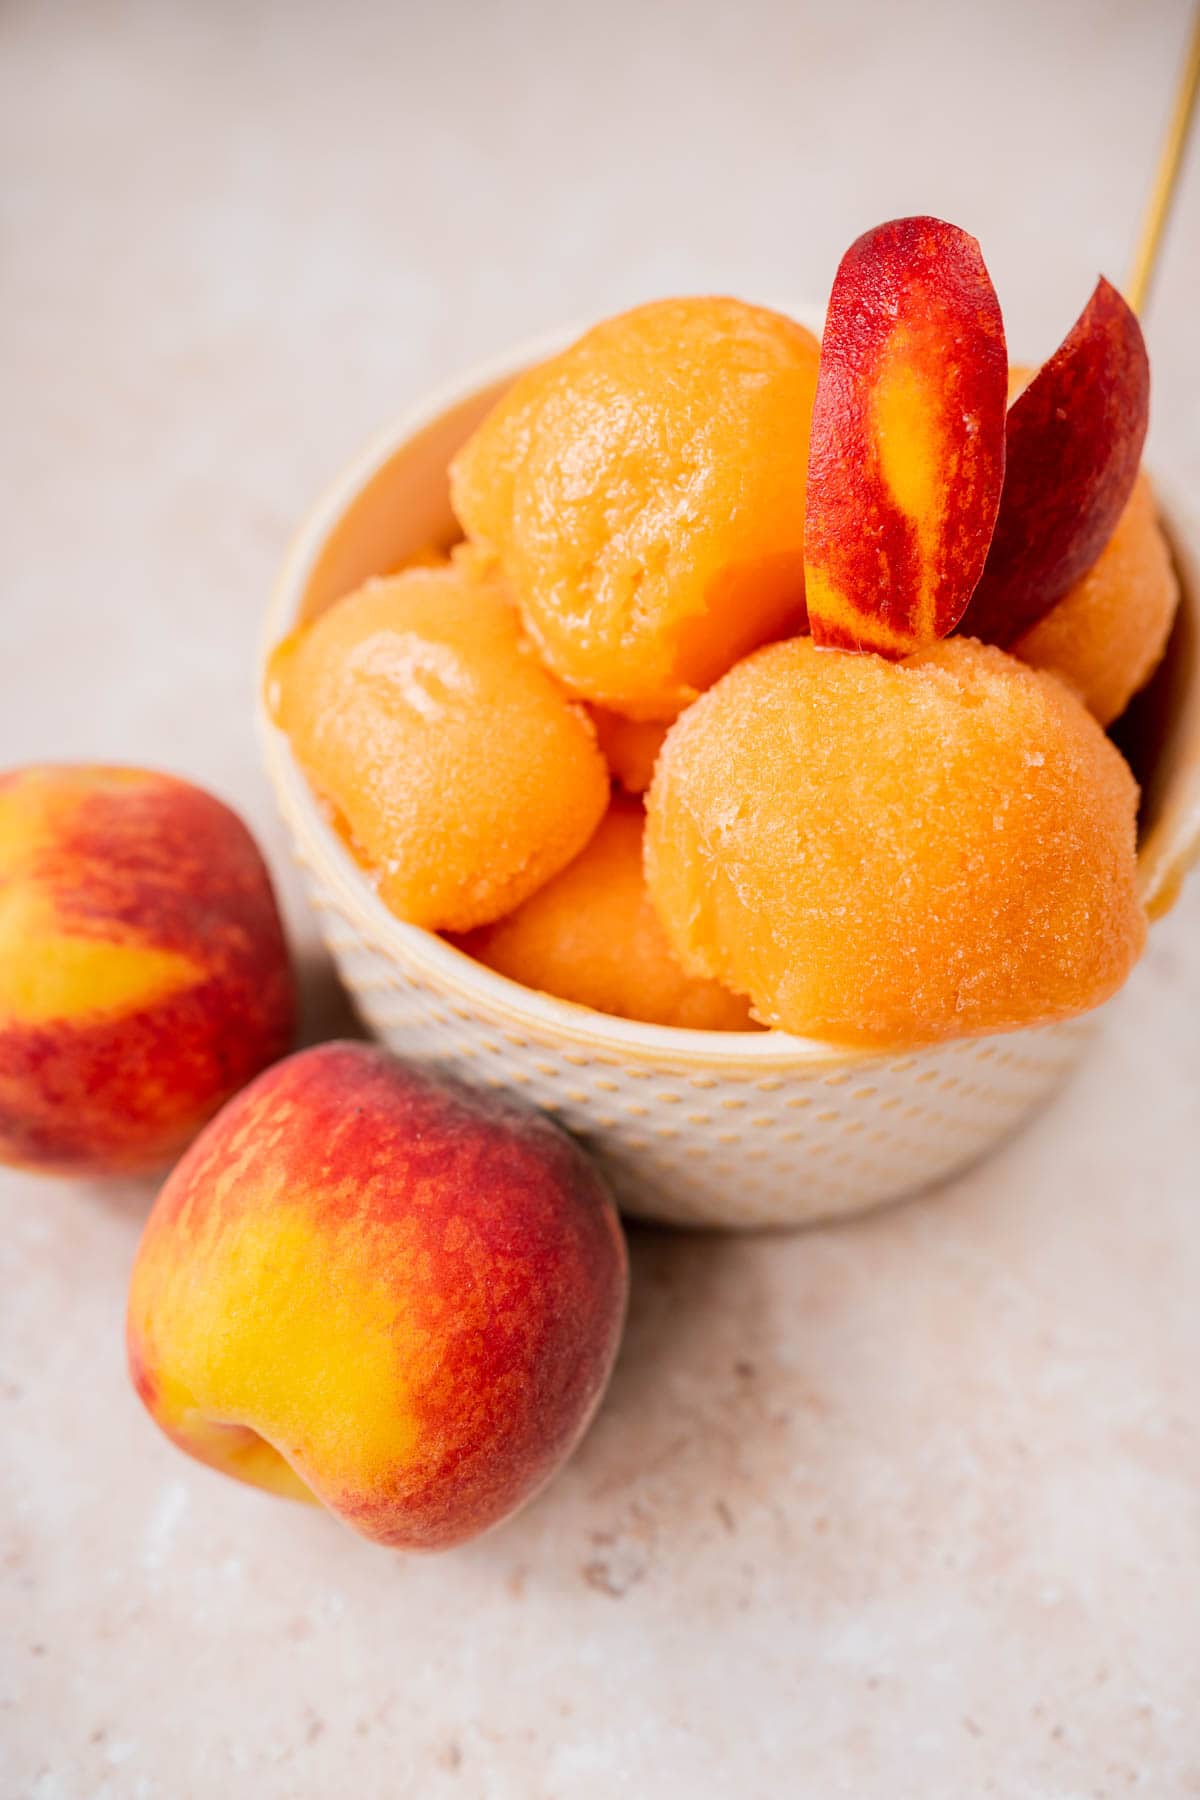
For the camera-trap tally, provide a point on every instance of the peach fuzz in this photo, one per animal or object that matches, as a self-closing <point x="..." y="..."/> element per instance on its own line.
<point x="144" y="975"/>
<point x="644" y="493"/>
<point x="592" y="936"/>
<point x="371" y="1287"/>
<point x="892" y="854"/>
<point x="459" y="771"/>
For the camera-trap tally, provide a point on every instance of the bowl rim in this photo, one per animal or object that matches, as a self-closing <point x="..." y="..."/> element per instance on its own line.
<point x="520" y="1009"/>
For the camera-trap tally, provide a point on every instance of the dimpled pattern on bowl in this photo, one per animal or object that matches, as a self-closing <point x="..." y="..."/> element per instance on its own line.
<point x="738" y="1132"/>
<point x="782" y="1134"/>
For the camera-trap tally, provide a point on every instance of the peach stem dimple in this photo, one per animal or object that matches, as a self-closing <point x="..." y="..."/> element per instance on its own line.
<point x="242" y="1451"/>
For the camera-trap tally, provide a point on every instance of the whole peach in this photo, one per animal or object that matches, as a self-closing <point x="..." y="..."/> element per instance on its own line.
<point x="143" y="971"/>
<point x="371" y="1287"/>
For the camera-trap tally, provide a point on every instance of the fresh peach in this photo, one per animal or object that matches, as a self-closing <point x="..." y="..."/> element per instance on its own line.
<point x="143" y="971"/>
<point x="1073" y="448"/>
<point x="370" y="1287"/>
<point x="906" y="451"/>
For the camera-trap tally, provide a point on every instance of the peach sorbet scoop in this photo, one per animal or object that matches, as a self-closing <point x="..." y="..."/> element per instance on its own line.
<point x="592" y="936"/>
<point x="883" y="835"/>
<point x="644" y="493"/>
<point x="457" y="768"/>
<point x="370" y="1287"/>
<point x="893" y="853"/>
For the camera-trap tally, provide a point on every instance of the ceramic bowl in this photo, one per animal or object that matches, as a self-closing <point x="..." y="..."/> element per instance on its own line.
<point x="693" y="1128"/>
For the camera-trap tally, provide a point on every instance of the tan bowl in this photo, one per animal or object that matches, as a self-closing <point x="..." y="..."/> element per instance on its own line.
<point x="694" y="1128"/>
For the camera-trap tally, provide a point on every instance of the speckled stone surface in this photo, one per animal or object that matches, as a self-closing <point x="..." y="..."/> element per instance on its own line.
<point x="906" y="1507"/>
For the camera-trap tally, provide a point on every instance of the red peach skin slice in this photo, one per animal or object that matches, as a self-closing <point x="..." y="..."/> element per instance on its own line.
<point x="1075" y="441"/>
<point x="906" y="457"/>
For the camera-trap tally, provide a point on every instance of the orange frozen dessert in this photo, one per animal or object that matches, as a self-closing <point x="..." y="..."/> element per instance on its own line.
<point x="885" y="839"/>
<point x="591" y="936"/>
<point x="850" y="615"/>
<point x="887" y="853"/>
<point x="455" y="765"/>
<point x="644" y="493"/>
<point x="1106" y="636"/>
<point x="630" y="747"/>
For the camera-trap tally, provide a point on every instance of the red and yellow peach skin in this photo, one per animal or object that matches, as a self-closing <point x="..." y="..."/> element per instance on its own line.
<point x="906" y="454"/>
<point x="371" y="1287"/>
<point x="143" y="971"/>
<point x="1073" y="444"/>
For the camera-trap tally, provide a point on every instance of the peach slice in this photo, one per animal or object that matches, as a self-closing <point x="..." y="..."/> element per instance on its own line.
<point x="1074" y="444"/>
<point x="906" y="455"/>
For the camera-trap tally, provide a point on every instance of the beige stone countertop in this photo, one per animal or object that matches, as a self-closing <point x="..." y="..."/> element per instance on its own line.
<point x="909" y="1507"/>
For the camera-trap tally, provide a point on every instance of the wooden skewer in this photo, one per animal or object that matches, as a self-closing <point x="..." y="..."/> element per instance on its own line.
<point x="1170" y="159"/>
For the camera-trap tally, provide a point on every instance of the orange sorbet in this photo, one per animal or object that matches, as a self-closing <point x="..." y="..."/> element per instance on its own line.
<point x="459" y="771"/>
<point x="890" y="854"/>
<point x="592" y="936"/>
<point x="644" y="492"/>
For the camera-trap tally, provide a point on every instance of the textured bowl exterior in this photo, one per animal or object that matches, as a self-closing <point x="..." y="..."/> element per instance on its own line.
<point x="730" y="1130"/>
<point x="757" y="1131"/>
